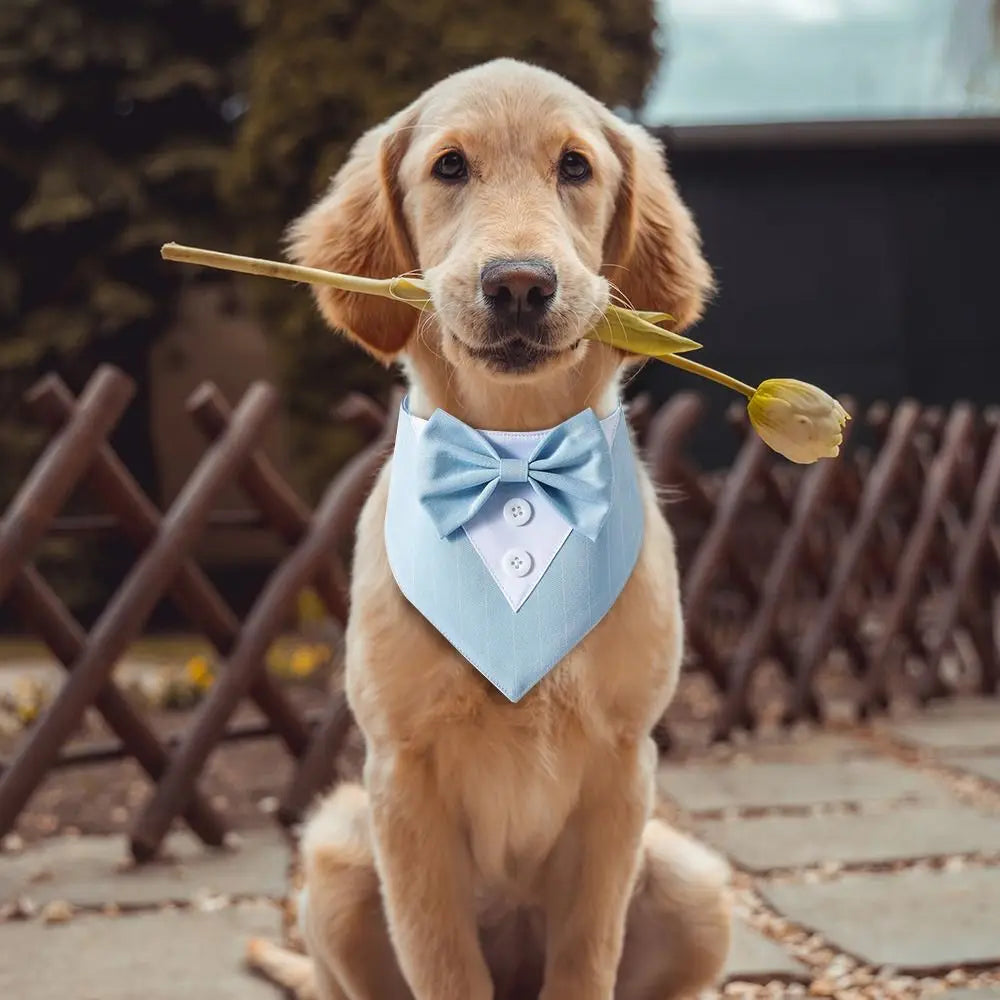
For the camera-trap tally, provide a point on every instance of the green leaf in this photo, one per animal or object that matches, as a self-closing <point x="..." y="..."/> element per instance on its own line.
<point x="632" y="331"/>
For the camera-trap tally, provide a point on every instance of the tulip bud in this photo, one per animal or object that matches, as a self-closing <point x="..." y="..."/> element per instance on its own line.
<point x="798" y="420"/>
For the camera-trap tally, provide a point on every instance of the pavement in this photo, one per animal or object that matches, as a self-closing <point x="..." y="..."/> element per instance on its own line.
<point x="866" y="864"/>
<point x="85" y="924"/>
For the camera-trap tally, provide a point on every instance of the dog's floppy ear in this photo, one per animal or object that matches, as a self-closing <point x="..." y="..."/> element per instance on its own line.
<point x="357" y="227"/>
<point x="653" y="250"/>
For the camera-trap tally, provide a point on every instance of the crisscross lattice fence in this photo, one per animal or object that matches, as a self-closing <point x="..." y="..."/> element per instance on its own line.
<point x="885" y="564"/>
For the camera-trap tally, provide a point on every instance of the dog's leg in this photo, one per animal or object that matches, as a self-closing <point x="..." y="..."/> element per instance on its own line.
<point x="341" y="915"/>
<point x="677" y="932"/>
<point x="592" y="873"/>
<point x="426" y="874"/>
<point x="293" y="972"/>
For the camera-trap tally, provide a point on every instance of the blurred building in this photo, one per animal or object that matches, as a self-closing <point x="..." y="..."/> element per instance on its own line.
<point x="843" y="160"/>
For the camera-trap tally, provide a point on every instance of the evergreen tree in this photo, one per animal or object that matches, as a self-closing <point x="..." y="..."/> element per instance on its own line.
<point x="115" y="117"/>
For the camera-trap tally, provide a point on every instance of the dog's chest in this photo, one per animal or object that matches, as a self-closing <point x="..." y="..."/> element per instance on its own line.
<point x="514" y="800"/>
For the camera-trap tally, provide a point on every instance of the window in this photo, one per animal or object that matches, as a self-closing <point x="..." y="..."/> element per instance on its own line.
<point x="736" y="61"/>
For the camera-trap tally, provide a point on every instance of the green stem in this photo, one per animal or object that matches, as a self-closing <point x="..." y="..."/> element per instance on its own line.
<point x="385" y="287"/>
<point x="277" y="269"/>
<point x="682" y="361"/>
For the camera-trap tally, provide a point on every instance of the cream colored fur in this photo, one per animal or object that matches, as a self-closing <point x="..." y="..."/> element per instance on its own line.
<point x="497" y="849"/>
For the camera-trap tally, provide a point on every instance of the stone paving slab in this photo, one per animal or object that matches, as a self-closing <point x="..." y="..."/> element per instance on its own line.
<point x="984" y="765"/>
<point x="990" y="993"/>
<point x="811" y="747"/>
<point x="88" y="871"/>
<point x="769" y="842"/>
<point x="952" y="728"/>
<point x="965" y="705"/>
<point x="703" y="787"/>
<point x="166" y="955"/>
<point x="752" y="956"/>
<point x="916" y="921"/>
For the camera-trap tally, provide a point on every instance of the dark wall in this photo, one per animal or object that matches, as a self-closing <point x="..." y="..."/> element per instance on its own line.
<point x="874" y="272"/>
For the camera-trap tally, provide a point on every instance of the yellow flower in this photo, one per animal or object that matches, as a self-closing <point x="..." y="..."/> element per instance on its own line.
<point x="28" y="711"/>
<point x="30" y="697"/>
<point x="798" y="420"/>
<point x="310" y="607"/>
<point x="304" y="661"/>
<point x="199" y="672"/>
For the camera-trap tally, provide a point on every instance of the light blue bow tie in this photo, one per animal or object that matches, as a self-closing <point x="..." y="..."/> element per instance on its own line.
<point x="458" y="470"/>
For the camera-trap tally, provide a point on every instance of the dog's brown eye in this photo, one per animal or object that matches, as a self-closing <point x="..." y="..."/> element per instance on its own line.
<point x="573" y="167"/>
<point x="451" y="167"/>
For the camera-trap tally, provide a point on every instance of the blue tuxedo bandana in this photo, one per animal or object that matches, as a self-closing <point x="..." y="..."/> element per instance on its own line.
<point x="457" y="534"/>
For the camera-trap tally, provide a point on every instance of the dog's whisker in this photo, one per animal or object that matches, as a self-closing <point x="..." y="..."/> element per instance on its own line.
<point x="621" y="295"/>
<point x="423" y="330"/>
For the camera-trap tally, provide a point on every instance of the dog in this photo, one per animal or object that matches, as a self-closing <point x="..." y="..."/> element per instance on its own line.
<point x="499" y="849"/>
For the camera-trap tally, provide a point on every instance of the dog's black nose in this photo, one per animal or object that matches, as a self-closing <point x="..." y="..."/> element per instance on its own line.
<point x="519" y="290"/>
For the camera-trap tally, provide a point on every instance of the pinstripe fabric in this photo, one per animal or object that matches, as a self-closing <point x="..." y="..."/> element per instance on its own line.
<point x="447" y="582"/>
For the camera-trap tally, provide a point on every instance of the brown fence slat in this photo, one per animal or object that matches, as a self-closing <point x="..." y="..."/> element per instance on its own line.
<point x="668" y="430"/>
<point x="59" y="469"/>
<point x="279" y="504"/>
<point x="262" y="624"/>
<point x="189" y="588"/>
<point x="639" y="411"/>
<point x="898" y="618"/>
<point x="363" y="412"/>
<point x="826" y="622"/>
<point x="714" y="548"/>
<point x="128" y="609"/>
<point x="315" y="770"/>
<point x="962" y="596"/>
<point x="814" y="492"/>
<point x="108" y="524"/>
<point x="39" y="606"/>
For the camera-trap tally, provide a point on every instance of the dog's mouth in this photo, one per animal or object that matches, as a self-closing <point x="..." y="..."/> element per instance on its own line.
<point x="518" y="355"/>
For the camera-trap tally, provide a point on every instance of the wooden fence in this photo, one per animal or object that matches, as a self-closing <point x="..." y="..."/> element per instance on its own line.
<point x="888" y="560"/>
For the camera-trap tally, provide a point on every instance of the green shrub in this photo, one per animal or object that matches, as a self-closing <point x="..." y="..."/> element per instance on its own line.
<point x="115" y="121"/>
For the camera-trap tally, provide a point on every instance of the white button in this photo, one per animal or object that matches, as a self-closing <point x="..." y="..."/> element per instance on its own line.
<point x="517" y="511"/>
<point x="517" y="562"/>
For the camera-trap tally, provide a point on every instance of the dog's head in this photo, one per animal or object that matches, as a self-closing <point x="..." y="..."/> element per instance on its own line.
<point x="526" y="204"/>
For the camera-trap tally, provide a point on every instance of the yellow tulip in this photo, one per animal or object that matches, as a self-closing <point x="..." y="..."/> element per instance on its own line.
<point x="794" y="418"/>
<point x="798" y="420"/>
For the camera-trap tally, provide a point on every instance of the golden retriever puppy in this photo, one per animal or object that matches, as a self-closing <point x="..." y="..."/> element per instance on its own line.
<point x="505" y="848"/>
